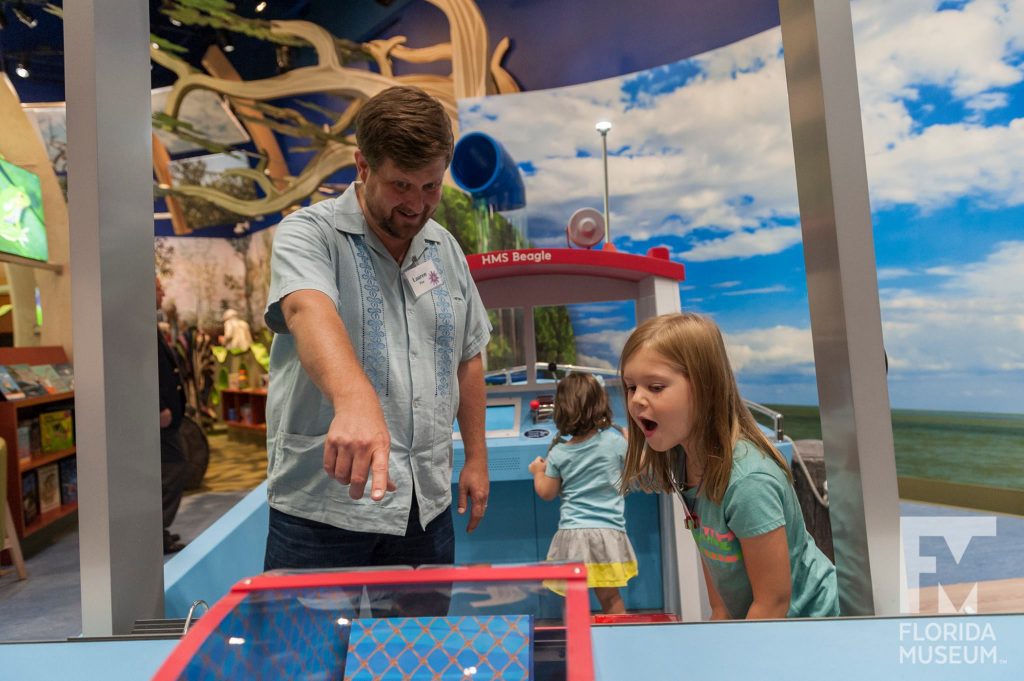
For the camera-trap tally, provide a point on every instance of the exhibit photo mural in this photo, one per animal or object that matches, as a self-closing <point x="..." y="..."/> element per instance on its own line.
<point x="701" y="161"/>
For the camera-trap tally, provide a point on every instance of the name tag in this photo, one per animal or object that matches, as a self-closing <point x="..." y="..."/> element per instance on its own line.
<point x="423" y="278"/>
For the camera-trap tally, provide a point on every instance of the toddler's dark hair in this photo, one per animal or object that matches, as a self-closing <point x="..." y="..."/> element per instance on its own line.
<point x="581" y="405"/>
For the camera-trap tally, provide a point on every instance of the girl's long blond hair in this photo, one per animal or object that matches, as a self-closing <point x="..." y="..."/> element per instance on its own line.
<point x="693" y="345"/>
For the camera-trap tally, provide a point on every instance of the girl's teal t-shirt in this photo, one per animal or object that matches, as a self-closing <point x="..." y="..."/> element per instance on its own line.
<point x="759" y="499"/>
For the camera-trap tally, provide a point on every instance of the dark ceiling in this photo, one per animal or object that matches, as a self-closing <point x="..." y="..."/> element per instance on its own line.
<point x="33" y="38"/>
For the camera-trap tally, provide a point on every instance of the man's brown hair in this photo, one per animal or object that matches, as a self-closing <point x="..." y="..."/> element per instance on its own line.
<point x="406" y="125"/>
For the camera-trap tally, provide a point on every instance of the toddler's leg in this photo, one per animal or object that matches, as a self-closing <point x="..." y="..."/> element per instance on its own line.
<point x="611" y="600"/>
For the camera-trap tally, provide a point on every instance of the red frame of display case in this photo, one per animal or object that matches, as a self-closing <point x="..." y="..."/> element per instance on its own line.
<point x="579" y="656"/>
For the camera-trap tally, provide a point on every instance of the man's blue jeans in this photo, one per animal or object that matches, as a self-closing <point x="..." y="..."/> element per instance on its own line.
<point x="299" y="543"/>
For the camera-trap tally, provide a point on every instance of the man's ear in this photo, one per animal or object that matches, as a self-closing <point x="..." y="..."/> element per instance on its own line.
<point x="362" y="167"/>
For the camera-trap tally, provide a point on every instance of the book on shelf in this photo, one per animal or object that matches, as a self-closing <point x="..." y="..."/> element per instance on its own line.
<point x="27" y="380"/>
<point x="25" y="439"/>
<point x="68" y="480"/>
<point x="49" y="487"/>
<point x="67" y="373"/>
<point x="9" y="386"/>
<point x="29" y="497"/>
<point x="56" y="430"/>
<point x="29" y="440"/>
<point x="49" y="378"/>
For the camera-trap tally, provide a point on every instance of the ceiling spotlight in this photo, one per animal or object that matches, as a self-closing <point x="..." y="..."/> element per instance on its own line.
<point x="225" y="41"/>
<point x="24" y="17"/>
<point x="261" y="5"/>
<point x="22" y="69"/>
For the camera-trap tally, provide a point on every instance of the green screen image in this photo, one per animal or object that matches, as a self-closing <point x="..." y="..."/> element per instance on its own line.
<point x="22" y="229"/>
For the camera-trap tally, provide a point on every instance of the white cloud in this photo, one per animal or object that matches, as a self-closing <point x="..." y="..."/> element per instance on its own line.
<point x="904" y="47"/>
<point x="606" y="343"/>
<point x="886" y="273"/>
<point x="987" y="101"/>
<point x="945" y="163"/>
<point x="972" y="322"/>
<point x="590" y="361"/>
<point x="593" y="309"/>
<point x="744" y="244"/>
<point x="777" y="288"/>
<point x="771" y="350"/>
<point x="586" y="322"/>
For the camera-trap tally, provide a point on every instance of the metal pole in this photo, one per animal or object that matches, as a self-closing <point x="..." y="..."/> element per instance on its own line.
<point x="113" y="313"/>
<point x="842" y="291"/>
<point x="607" y="215"/>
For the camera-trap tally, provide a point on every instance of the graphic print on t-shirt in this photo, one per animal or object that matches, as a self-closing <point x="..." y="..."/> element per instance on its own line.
<point x="718" y="546"/>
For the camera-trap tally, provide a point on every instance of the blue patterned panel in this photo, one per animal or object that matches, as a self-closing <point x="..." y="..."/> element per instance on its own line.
<point x="277" y="635"/>
<point x="444" y="330"/>
<point x="374" y="346"/>
<point x="441" y="648"/>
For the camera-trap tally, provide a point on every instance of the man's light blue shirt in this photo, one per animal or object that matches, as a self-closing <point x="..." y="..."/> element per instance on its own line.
<point x="410" y="348"/>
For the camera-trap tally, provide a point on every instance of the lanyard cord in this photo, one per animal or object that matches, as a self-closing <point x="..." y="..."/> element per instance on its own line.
<point x="691" y="520"/>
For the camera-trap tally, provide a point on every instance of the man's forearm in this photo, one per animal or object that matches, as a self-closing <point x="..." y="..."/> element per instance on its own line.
<point x="472" y="410"/>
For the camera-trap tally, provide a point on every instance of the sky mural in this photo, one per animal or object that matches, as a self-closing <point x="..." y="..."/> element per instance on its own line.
<point x="701" y="161"/>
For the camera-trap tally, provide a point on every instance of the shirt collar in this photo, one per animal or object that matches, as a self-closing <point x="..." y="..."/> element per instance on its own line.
<point x="348" y="205"/>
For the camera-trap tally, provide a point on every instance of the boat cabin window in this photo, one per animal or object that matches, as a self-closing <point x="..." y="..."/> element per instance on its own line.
<point x="532" y="345"/>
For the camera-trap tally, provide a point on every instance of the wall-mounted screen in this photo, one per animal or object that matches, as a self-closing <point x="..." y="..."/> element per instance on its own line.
<point x="22" y="228"/>
<point x="501" y="418"/>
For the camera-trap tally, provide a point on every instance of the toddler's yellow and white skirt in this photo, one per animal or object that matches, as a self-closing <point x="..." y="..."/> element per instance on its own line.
<point x="607" y="553"/>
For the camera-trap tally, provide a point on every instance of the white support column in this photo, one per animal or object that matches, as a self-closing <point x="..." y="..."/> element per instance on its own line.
<point x="113" y="312"/>
<point x="656" y="296"/>
<point x="842" y="288"/>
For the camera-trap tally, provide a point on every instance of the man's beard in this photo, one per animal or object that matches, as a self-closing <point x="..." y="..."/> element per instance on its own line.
<point x="386" y="226"/>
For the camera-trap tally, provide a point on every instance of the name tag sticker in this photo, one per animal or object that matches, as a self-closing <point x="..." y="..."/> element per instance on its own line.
<point x="423" y="278"/>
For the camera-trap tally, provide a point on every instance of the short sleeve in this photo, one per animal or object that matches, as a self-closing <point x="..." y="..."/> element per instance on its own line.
<point x="478" y="325"/>
<point x="300" y="259"/>
<point x="554" y="458"/>
<point x="753" y="506"/>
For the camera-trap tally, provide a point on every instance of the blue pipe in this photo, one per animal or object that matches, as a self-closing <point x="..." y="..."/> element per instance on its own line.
<point x="485" y="170"/>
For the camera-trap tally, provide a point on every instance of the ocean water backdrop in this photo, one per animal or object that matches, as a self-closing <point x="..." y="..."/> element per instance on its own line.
<point x="961" y="447"/>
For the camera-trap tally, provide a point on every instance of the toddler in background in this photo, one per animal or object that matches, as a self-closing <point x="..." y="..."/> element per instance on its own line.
<point x="586" y="471"/>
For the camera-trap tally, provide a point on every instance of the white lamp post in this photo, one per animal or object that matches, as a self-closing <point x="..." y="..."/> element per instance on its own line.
<point x="603" y="127"/>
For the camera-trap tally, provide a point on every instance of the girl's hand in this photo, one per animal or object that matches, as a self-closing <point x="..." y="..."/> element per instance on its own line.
<point x="537" y="465"/>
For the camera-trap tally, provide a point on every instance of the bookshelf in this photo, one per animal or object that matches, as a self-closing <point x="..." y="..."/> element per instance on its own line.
<point x="11" y="413"/>
<point x="244" y="410"/>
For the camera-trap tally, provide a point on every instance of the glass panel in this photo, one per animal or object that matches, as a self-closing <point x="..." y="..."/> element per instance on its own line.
<point x="588" y="336"/>
<point x="505" y="349"/>
<point x="511" y="628"/>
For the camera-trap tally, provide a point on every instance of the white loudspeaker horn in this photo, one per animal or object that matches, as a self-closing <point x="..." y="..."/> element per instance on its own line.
<point x="585" y="228"/>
